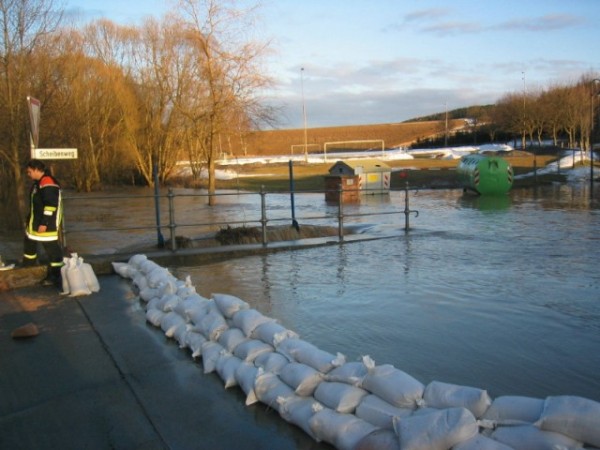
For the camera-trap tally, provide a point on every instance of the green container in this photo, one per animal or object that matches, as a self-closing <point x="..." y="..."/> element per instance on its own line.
<point x="485" y="175"/>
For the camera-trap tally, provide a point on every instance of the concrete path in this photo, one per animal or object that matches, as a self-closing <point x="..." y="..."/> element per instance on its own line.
<point x="99" y="377"/>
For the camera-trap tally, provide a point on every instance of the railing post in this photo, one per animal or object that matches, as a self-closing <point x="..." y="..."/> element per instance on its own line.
<point x="340" y="213"/>
<point x="172" y="220"/>
<point x="263" y="215"/>
<point x="407" y="210"/>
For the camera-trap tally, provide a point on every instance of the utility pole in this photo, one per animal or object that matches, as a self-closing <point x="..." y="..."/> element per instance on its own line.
<point x="304" y="114"/>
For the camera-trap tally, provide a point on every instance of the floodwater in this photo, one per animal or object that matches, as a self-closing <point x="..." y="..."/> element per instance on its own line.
<point x="501" y="294"/>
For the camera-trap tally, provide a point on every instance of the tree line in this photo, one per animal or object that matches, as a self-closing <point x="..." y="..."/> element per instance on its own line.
<point x="136" y="99"/>
<point x="133" y="100"/>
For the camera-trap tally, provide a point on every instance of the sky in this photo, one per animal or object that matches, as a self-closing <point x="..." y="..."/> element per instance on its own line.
<point x="360" y="62"/>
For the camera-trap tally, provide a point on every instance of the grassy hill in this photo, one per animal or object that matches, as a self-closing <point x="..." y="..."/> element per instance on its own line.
<point x="280" y="142"/>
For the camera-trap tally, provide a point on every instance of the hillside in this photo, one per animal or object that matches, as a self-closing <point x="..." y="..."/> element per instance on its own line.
<point x="280" y="142"/>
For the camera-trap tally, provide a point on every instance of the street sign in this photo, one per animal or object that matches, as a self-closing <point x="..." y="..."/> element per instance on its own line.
<point x="55" y="153"/>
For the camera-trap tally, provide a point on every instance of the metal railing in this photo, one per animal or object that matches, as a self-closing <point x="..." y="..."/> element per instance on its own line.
<point x="339" y="218"/>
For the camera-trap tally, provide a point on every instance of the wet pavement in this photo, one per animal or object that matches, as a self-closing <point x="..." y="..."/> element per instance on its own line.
<point x="98" y="376"/>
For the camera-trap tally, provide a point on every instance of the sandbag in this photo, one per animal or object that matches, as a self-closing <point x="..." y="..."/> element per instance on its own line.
<point x="186" y="289"/>
<point x="444" y="395"/>
<point x="249" y="319"/>
<point x="301" y="378"/>
<point x="212" y="325"/>
<point x="75" y="277"/>
<point x="299" y="410"/>
<point x="481" y="442"/>
<point x="343" y="431"/>
<point x="304" y="352"/>
<point x="529" y="437"/>
<point x="231" y="338"/>
<point x="194" y="341"/>
<point x="248" y="350"/>
<point x="89" y="276"/>
<point x="350" y="373"/>
<point x="394" y="386"/>
<point x="137" y="260"/>
<point x="514" y="410"/>
<point x="123" y="269"/>
<point x="229" y="304"/>
<point x="246" y="374"/>
<point x="576" y="417"/>
<point x="268" y="388"/>
<point x="193" y="304"/>
<point x="169" y="322"/>
<point x="210" y="354"/>
<point x="226" y="366"/>
<point x="271" y="362"/>
<point x="154" y="316"/>
<point x="384" y="439"/>
<point x="437" y="430"/>
<point x="341" y="397"/>
<point x="272" y="333"/>
<point x="379" y="412"/>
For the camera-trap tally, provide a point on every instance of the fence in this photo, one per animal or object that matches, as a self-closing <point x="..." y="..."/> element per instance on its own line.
<point x="338" y="216"/>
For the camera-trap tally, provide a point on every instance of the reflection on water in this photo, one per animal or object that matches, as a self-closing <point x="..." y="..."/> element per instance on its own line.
<point x="504" y="298"/>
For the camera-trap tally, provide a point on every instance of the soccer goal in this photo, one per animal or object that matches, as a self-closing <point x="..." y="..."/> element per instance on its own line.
<point x="301" y="148"/>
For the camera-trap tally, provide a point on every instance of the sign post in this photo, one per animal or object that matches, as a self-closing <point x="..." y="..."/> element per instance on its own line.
<point x="44" y="153"/>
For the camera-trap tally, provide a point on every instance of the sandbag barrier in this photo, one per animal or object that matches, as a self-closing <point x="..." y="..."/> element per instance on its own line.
<point x="352" y="405"/>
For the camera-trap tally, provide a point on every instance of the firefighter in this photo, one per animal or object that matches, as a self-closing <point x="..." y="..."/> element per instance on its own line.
<point x="43" y="222"/>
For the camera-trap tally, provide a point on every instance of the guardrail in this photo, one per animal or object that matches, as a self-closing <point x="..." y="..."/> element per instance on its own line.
<point x="340" y="217"/>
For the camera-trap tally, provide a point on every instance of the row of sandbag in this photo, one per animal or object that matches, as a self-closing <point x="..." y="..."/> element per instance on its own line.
<point x="351" y="405"/>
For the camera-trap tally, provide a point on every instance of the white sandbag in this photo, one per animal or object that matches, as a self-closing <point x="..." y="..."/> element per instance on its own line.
<point x="76" y="278"/>
<point x="140" y="281"/>
<point x="195" y="307"/>
<point x="298" y="410"/>
<point x="481" y="442"/>
<point x="170" y="302"/>
<point x="89" y="276"/>
<point x="343" y="431"/>
<point x="231" y="338"/>
<point x="304" y="352"/>
<point x="576" y="417"/>
<point x="379" y="412"/>
<point x="246" y="374"/>
<point x="124" y="270"/>
<point x="514" y="410"/>
<point x="248" y="350"/>
<point x="248" y="319"/>
<point x="226" y="366"/>
<point x="529" y="437"/>
<point x="63" y="275"/>
<point x="194" y="341"/>
<point x="210" y="354"/>
<point x="186" y="289"/>
<point x="149" y="293"/>
<point x="438" y="430"/>
<point x="159" y="275"/>
<point x="136" y="260"/>
<point x="180" y="334"/>
<point x="146" y="266"/>
<point x="268" y="387"/>
<point x="169" y="322"/>
<point x="384" y="439"/>
<point x="157" y="302"/>
<point x="273" y="333"/>
<point x="393" y="385"/>
<point x="341" y="397"/>
<point x="444" y="395"/>
<point x="350" y="373"/>
<point x="167" y="286"/>
<point x="271" y="362"/>
<point x="229" y="304"/>
<point x="212" y="325"/>
<point x="301" y="378"/>
<point x="154" y="316"/>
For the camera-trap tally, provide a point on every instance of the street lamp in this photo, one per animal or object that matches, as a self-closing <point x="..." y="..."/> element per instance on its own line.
<point x="594" y="95"/>
<point x="304" y="114"/>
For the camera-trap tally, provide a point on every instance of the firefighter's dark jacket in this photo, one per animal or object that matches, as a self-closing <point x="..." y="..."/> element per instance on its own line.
<point x="45" y="209"/>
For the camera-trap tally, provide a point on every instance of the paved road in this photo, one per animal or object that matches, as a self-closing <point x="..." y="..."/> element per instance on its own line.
<point x="99" y="377"/>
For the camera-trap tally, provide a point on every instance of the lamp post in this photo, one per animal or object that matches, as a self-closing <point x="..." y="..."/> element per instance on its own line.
<point x="304" y="114"/>
<point x="594" y="95"/>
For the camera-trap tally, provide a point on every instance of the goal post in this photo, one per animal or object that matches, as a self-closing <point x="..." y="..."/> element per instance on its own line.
<point x="304" y="148"/>
<point x="377" y="142"/>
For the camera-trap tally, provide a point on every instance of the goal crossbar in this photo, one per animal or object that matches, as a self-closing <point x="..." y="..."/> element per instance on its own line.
<point x="361" y="141"/>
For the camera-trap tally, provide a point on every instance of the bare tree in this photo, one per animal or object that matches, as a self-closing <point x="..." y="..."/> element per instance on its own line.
<point x="25" y="26"/>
